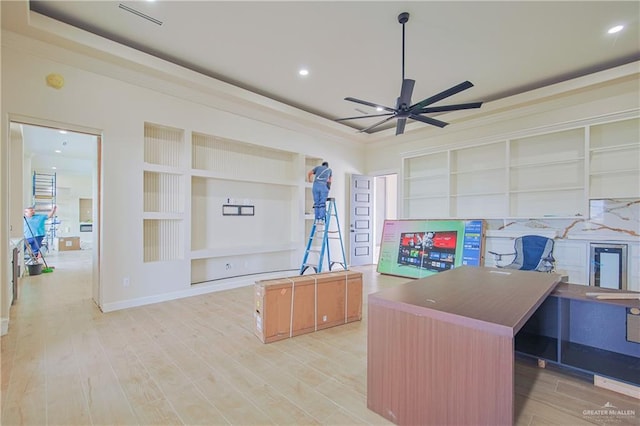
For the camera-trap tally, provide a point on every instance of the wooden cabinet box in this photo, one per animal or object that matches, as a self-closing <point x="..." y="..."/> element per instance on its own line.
<point x="287" y="307"/>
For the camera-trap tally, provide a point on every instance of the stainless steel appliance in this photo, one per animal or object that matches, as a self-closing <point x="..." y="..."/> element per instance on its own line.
<point x="608" y="265"/>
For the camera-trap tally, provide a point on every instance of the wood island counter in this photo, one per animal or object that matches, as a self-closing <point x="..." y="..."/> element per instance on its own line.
<point x="440" y="349"/>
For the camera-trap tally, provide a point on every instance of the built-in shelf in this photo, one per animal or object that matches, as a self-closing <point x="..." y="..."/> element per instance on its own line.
<point x="551" y="174"/>
<point x="222" y="176"/>
<point x="479" y="170"/>
<point x="612" y="148"/>
<point x="425" y="177"/>
<point x="583" y="334"/>
<point x="163" y="145"/>
<point x="614" y="166"/>
<point x="538" y="346"/>
<point x="189" y="176"/>
<point x="558" y="189"/>
<point x="546" y="163"/>
<point x="616" y="172"/>
<point x="163" y="240"/>
<point x="272" y="181"/>
<point x="477" y="194"/>
<point x="163" y="193"/>
<point x="239" y="160"/>
<point x="243" y="250"/>
<point x="426" y="197"/>
<point x="159" y="168"/>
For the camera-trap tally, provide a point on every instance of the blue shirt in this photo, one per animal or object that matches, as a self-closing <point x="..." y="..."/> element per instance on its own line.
<point x="321" y="173"/>
<point x="35" y="226"/>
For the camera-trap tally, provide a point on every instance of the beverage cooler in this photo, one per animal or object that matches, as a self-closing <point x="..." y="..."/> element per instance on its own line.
<point x="608" y="265"/>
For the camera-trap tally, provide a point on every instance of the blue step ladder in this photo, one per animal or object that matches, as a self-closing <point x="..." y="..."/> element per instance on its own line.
<point x="321" y="234"/>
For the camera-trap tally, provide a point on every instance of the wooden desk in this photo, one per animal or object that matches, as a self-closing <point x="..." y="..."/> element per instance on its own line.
<point x="599" y="337"/>
<point x="441" y="349"/>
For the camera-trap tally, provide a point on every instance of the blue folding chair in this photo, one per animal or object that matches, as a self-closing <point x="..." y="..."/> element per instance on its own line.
<point x="532" y="253"/>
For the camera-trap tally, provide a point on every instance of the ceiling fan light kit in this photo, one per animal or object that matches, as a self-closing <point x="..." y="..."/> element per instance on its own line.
<point x="404" y="109"/>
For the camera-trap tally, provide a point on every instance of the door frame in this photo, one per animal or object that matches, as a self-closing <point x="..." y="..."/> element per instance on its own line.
<point x="356" y="215"/>
<point x="385" y="206"/>
<point x="16" y="210"/>
<point x="390" y="199"/>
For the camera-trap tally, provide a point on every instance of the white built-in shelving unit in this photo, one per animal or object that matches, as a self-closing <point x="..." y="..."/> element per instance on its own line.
<point x="614" y="155"/>
<point x="468" y="193"/>
<point x="191" y="177"/>
<point x="164" y="194"/>
<point x="426" y="185"/>
<point x="546" y="175"/>
<point x="551" y="174"/>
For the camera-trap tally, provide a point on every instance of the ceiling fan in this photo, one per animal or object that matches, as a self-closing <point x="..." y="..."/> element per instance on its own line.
<point x="404" y="109"/>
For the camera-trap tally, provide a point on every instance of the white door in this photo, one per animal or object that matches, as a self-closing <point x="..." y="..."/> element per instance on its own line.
<point x="361" y="225"/>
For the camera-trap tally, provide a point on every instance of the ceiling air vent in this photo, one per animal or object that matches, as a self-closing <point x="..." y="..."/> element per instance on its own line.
<point x="140" y="14"/>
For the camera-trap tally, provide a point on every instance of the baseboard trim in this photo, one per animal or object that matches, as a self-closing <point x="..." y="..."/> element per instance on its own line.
<point x="616" y="386"/>
<point x="4" y="326"/>
<point x="195" y="290"/>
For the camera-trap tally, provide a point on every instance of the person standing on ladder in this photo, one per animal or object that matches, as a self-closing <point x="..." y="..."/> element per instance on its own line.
<point x="321" y="178"/>
<point x="34" y="228"/>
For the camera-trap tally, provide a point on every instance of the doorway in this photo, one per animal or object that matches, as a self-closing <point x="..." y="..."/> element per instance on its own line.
<point x="69" y="160"/>
<point x="385" y="202"/>
<point x="372" y="200"/>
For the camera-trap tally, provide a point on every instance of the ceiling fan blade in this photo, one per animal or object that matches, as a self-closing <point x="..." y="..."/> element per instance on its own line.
<point x="405" y="92"/>
<point x="377" y="124"/>
<point x="363" y="116"/>
<point x="442" y="95"/>
<point x="448" y="108"/>
<point x="371" y="104"/>
<point x="400" y="126"/>
<point x="428" y="120"/>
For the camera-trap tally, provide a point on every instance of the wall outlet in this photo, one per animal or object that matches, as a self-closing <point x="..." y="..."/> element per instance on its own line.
<point x="126" y="282"/>
<point x="324" y="318"/>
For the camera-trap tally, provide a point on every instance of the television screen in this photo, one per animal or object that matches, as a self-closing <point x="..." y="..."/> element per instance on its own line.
<point x="419" y="248"/>
<point x="432" y="250"/>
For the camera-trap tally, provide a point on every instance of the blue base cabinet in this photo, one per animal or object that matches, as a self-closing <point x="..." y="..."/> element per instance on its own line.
<point x="593" y="336"/>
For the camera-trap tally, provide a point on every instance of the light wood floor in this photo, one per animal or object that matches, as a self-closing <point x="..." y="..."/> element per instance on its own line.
<point x="196" y="361"/>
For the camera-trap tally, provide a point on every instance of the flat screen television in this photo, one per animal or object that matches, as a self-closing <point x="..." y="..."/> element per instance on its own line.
<point x="419" y="248"/>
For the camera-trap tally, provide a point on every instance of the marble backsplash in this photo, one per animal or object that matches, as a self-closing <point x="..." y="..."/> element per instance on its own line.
<point x="609" y="220"/>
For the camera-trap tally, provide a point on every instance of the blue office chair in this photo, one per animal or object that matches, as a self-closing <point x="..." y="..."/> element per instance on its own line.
<point x="532" y="253"/>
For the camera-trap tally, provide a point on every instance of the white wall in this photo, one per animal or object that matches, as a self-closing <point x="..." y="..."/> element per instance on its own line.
<point x="117" y="110"/>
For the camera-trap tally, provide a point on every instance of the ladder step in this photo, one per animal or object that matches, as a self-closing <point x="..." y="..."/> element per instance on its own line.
<point x="320" y="230"/>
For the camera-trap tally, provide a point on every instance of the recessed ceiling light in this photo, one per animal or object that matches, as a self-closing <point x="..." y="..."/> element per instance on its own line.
<point x="379" y="109"/>
<point x="303" y="72"/>
<point x="58" y="151"/>
<point x="64" y="132"/>
<point x="54" y="167"/>
<point x="615" y="29"/>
